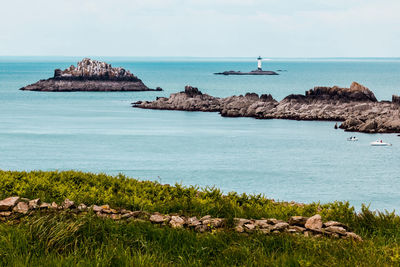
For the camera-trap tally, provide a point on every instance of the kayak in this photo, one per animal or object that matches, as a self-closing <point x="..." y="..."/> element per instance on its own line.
<point x="352" y="139"/>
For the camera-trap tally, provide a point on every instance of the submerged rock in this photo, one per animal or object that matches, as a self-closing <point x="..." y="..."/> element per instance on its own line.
<point x="90" y="75"/>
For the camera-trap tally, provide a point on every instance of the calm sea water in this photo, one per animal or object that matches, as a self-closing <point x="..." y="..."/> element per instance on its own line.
<point x="285" y="160"/>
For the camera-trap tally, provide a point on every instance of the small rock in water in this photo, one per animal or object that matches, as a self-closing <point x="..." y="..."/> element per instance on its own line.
<point x="314" y="222"/>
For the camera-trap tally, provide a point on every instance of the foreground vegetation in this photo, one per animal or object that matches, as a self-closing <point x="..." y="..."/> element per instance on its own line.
<point x="67" y="240"/>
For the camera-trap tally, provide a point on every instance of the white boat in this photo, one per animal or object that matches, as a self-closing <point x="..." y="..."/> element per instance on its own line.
<point x="352" y="138"/>
<point x="380" y="143"/>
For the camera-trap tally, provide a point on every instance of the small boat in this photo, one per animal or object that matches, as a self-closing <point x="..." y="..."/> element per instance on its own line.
<point x="352" y="138"/>
<point x="380" y="143"/>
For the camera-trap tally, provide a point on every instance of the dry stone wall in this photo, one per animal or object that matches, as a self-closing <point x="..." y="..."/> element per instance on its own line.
<point x="13" y="208"/>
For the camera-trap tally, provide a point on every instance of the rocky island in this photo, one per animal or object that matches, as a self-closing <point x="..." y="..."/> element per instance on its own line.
<point x="357" y="107"/>
<point x="253" y="72"/>
<point x="90" y="75"/>
<point x="258" y="71"/>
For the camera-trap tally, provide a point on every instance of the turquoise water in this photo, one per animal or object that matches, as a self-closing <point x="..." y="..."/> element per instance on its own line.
<point x="285" y="160"/>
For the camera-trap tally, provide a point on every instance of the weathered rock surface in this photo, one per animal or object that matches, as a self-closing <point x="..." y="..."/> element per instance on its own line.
<point x="8" y="203"/>
<point x="334" y="223"/>
<point x="90" y="75"/>
<point x="21" y="207"/>
<point x="176" y="222"/>
<point x="314" y="222"/>
<point x="15" y="207"/>
<point x="356" y="106"/>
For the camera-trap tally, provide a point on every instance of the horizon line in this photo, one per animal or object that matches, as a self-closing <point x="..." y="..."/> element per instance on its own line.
<point x="197" y="57"/>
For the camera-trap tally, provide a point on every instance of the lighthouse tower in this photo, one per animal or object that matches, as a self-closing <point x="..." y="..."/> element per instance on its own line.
<point x="259" y="59"/>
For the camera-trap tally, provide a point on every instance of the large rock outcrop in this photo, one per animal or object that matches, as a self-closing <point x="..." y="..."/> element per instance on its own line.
<point x="90" y="75"/>
<point x="356" y="106"/>
<point x="356" y="92"/>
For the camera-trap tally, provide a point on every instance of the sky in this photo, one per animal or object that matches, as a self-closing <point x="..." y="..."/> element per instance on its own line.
<point x="200" y="28"/>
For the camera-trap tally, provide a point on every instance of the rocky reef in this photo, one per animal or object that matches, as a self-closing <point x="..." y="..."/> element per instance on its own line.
<point x="356" y="106"/>
<point x="90" y="75"/>
<point x="14" y="208"/>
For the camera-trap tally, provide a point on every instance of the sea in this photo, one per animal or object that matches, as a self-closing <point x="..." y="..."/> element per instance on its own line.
<point x="302" y="161"/>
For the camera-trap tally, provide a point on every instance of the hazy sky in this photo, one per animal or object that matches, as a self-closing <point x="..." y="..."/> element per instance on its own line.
<point x="210" y="28"/>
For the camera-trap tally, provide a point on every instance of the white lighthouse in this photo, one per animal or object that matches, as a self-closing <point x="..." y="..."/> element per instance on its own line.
<point x="259" y="63"/>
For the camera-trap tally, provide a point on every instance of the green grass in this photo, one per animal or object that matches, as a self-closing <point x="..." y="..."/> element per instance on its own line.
<point x="68" y="240"/>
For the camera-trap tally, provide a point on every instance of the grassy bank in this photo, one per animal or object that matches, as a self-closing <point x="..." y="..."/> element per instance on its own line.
<point x="66" y="240"/>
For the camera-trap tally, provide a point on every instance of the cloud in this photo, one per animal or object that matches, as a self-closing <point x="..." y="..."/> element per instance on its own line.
<point x="200" y="27"/>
